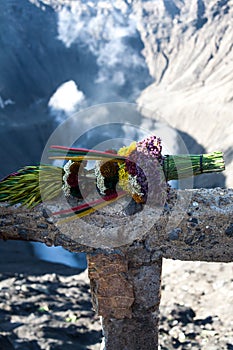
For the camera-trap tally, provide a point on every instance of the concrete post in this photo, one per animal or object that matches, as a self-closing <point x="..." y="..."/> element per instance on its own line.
<point x="126" y="294"/>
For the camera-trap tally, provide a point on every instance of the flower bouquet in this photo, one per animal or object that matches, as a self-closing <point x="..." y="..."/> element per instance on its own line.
<point x="139" y="170"/>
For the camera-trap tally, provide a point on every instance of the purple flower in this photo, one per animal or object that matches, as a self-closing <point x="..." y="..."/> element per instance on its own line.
<point x="146" y="163"/>
<point x="151" y="146"/>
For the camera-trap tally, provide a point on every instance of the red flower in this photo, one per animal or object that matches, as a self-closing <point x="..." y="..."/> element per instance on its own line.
<point x="72" y="180"/>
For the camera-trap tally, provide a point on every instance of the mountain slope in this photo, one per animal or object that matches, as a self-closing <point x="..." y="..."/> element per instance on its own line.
<point x="189" y="52"/>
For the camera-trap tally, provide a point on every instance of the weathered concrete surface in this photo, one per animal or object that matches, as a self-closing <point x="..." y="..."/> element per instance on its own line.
<point x="195" y="225"/>
<point x="125" y="282"/>
<point x="112" y="292"/>
<point x="127" y="295"/>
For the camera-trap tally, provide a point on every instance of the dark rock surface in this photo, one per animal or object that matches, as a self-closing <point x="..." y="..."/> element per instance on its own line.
<point x="44" y="305"/>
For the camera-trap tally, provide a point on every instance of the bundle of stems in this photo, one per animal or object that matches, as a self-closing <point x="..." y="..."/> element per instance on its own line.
<point x="27" y="184"/>
<point x="177" y="167"/>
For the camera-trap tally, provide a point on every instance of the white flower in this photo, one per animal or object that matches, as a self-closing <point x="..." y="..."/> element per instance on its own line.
<point x="134" y="186"/>
<point x="66" y="186"/>
<point x="99" y="178"/>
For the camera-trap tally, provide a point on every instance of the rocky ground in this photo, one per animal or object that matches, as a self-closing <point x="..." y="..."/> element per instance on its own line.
<point x="48" y="306"/>
<point x="44" y="305"/>
<point x="196" y="306"/>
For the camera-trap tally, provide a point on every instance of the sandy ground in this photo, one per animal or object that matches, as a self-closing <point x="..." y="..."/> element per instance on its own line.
<point x="48" y="306"/>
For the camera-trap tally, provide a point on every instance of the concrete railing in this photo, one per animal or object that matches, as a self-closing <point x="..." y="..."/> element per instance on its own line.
<point x="125" y="282"/>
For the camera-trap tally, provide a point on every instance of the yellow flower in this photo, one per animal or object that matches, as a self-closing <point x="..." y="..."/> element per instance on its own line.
<point x="126" y="181"/>
<point x="127" y="150"/>
<point x="123" y="178"/>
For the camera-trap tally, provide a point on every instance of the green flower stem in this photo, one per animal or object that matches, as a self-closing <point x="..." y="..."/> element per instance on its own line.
<point x="30" y="182"/>
<point x="177" y="167"/>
